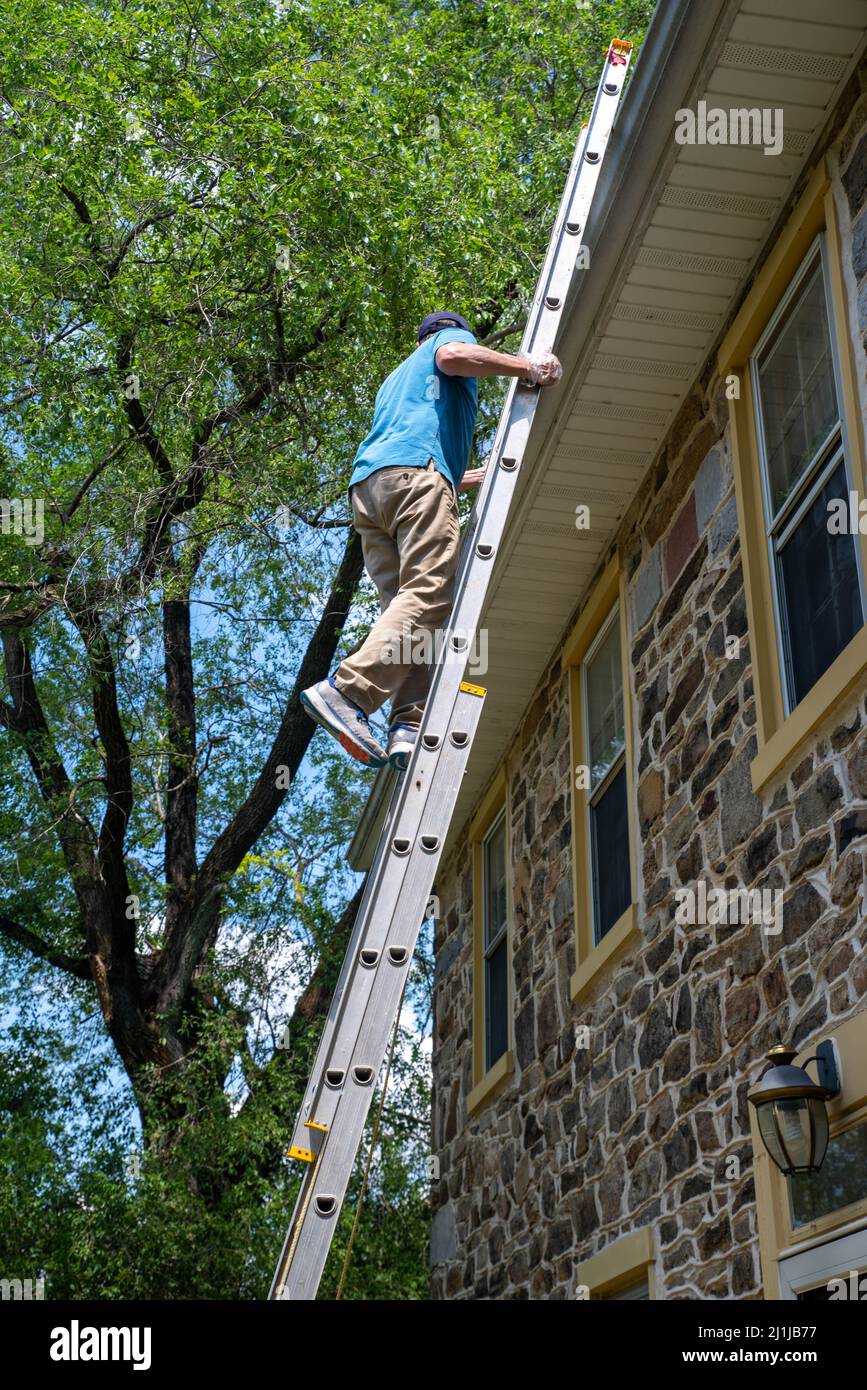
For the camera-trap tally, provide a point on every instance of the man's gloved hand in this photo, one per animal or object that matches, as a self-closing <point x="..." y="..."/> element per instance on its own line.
<point x="545" y="369"/>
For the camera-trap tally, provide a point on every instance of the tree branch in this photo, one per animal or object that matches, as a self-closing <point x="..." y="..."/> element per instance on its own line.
<point x="78" y="966"/>
<point x="517" y="327"/>
<point x="183" y="781"/>
<point x="118" y="767"/>
<point x="152" y="220"/>
<point x="29" y="722"/>
<point x="78" y="497"/>
<point x="140" y="425"/>
<point x="111" y="952"/>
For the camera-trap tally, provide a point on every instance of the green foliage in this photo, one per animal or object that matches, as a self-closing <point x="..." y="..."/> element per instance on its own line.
<point x="83" y="1204"/>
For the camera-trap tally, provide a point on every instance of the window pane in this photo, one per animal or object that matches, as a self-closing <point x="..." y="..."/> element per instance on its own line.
<point x="605" y="705"/>
<point x="841" y="1180"/>
<point x="797" y="390"/>
<point x="495" y="882"/>
<point x="819" y="583"/>
<point x="632" y="1294"/>
<point x="496" y="1004"/>
<point x="824" y="1293"/>
<point x="609" y="827"/>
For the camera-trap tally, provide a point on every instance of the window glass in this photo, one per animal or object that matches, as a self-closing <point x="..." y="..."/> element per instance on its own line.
<point x="818" y="579"/>
<point x="797" y="390"/>
<point x="496" y="1003"/>
<point x="605" y="705"/>
<point x="841" y="1180"/>
<point x="496" y="995"/>
<point x="609" y="829"/>
<point x="634" y="1293"/>
<point x="815" y="570"/>
<point x="495" y="881"/>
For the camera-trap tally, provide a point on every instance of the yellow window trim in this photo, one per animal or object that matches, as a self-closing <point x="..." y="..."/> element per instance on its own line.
<point x="619" y="1265"/>
<point x="491" y="1083"/>
<point x="777" y="1237"/>
<point x="592" y="961"/>
<point x="487" y="1084"/>
<point x="828" y="692"/>
<point x="617" y="941"/>
<point x="781" y="737"/>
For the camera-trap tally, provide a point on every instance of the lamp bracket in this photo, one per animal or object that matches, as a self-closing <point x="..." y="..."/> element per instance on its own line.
<point x="828" y="1067"/>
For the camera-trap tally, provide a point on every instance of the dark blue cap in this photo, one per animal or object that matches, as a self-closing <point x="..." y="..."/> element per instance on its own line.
<point x="434" y="322"/>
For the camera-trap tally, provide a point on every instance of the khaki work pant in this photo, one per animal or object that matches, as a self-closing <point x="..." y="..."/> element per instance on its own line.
<point x="408" y="522"/>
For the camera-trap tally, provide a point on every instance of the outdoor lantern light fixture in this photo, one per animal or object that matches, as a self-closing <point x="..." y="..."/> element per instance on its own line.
<point x="790" y="1108"/>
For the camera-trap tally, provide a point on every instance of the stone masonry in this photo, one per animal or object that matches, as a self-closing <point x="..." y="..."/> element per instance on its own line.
<point x="586" y="1145"/>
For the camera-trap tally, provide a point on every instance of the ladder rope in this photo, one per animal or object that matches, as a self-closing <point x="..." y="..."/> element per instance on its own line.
<point x="310" y="1179"/>
<point x="371" y="1147"/>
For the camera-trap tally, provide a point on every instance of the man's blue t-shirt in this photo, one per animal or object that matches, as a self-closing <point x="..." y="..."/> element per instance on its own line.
<point x="422" y="414"/>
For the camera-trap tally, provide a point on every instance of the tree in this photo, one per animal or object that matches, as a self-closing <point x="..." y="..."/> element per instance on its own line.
<point x="221" y="226"/>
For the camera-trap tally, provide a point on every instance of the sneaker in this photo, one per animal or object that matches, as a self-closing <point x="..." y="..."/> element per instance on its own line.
<point x="344" y="720"/>
<point x="401" y="742"/>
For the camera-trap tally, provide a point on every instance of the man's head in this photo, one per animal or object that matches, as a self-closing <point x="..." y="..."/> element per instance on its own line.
<point x="434" y="322"/>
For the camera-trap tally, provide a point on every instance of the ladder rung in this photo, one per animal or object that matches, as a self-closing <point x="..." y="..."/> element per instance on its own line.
<point x="305" y="1155"/>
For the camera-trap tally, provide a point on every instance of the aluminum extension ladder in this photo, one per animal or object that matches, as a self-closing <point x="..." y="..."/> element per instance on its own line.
<point x="330" y="1125"/>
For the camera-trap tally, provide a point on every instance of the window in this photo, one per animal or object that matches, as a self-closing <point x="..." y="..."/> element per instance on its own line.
<point x="493" y="1058"/>
<point x="633" y="1294"/>
<point x="800" y="429"/>
<point x="798" y="444"/>
<point x="606" y="741"/>
<point x="495" y="994"/>
<point x="833" y="1271"/>
<point x="603" y="832"/>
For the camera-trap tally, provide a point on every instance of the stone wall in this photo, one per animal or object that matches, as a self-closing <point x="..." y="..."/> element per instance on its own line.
<point x="587" y="1144"/>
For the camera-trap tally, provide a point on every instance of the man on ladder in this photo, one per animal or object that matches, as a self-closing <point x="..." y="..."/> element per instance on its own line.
<point x="403" y="490"/>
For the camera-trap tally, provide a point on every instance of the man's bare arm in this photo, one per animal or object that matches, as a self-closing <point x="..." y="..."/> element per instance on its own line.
<point x="471" y="359"/>
<point x="471" y="479"/>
